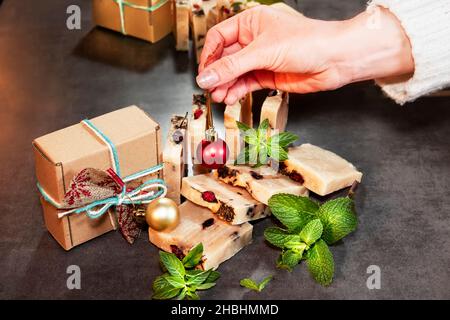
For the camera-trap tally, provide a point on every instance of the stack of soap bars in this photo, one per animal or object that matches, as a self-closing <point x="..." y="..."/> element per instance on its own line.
<point x="218" y="206"/>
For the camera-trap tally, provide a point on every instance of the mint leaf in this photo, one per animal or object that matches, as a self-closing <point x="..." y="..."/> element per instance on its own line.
<point x="279" y="237"/>
<point x="277" y="153"/>
<point x="252" y="285"/>
<point x="213" y="276"/>
<point x="269" y="2"/>
<point x="249" y="284"/>
<point x="311" y="232"/>
<point x="243" y="156"/>
<point x="320" y="263"/>
<point x="293" y="211"/>
<point x="251" y="137"/>
<point x="193" y="273"/>
<point x="182" y="294"/>
<point x="242" y="126"/>
<point x="263" y="126"/>
<point x="253" y="154"/>
<point x="289" y="259"/>
<point x="175" y="281"/>
<point x="264" y="283"/>
<point x="166" y="294"/>
<point x="282" y="139"/>
<point x="172" y="264"/>
<point x="338" y="218"/>
<point x="160" y="283"/>
<point x="194" y="256"/>
<point x="262" y="154"/>
<point x="180" y="283"/>
<point x="199" y="278"/>
<point x="205" y="286"/>
<point x="192" y="295"/>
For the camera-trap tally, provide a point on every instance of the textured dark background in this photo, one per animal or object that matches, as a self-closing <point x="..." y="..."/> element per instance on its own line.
<point x="51" y="77"/>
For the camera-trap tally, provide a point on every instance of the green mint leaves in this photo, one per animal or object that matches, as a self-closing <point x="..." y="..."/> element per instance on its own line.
<point x="310" y="228"/>
<point x="320" y="263"/>
<point x="293" y="211"/>
<point x="182" y="280"/>
<point x="252" y="285"/>
<point x="260" y="146"/>
<point x="338" y="218"/>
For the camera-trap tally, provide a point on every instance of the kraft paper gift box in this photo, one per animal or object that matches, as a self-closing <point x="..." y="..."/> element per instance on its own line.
<point x="149" y="20"/>
<point x="61" y="155"/>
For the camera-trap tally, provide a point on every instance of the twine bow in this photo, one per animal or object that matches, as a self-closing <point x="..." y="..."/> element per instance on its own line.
<point x="94" y="191"/>
<point x="123" y="3"/>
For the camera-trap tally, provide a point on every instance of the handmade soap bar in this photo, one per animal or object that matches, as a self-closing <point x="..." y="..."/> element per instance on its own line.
<point x="220" y="240"/>
<point x="182" y="12"/>
<point x="234" y="143"/>
<point x="321" y="171"/>
<point x="247" y="107"/>
<point x="174" y="156"/>
<point x="223" y="10"/>
<point x="211" y="18"/>
<point x="261" y="183"/>
<point x="198" y="29"/>
<point x="275" y="108"/>
<point x="197" y="124"/>
<point x="232" y="114"/>
<point x="229" y="203"/>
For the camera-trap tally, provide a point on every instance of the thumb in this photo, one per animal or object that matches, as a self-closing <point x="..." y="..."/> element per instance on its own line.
<point x="231" y="67"/>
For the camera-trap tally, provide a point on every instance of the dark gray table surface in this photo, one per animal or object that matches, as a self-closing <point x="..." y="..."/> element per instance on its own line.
<point x="51" y="77"/>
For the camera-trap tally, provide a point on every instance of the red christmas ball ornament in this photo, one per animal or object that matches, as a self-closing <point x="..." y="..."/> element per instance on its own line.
<point x="212" y="152"/>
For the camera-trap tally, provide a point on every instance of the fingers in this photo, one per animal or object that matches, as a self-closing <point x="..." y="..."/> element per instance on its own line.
<point x="231" y="67"/>
<point x="289" y="82"/>
<point x="247" y="83"/>
<point x="235" y="47"/>
<point x="218" y="37"/>
<point x="219" y="93"/>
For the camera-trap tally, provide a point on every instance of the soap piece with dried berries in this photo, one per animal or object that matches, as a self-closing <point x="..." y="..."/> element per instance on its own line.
<point x="197" y="123"/>
<point x="247" y="109"/>
<point x="211" y="18"/>
<point x="223" y="10"/>
<point x="275" y="108"/>
<point x="220" y="240"/>
<point x="261" y="183"/>
<point x="322" y="171"/>
<point x="198" y="28"/>
<point x="182" y="12"/>
<point x="229" y="203"/>
<point x="233" y="139"/>
<point x="174" y="156"/>
<point x="232" y="113"/>
<point x="234" y="142"/>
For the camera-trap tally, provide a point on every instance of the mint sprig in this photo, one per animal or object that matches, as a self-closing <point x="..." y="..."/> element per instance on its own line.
<point x="252" y="285"/>
<point x="309" y="229"/>
<point x="260" y="146"/>
<point x="182" y="280"/>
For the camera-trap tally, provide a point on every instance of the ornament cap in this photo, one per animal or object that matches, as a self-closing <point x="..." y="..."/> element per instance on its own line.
<point x="211" y="134"/>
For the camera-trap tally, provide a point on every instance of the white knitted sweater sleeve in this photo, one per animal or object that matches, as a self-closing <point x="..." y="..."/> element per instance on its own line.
<point x="427" y="24"/>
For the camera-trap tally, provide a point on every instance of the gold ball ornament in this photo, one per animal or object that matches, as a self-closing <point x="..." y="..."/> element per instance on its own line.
<point x="162" y="214"/>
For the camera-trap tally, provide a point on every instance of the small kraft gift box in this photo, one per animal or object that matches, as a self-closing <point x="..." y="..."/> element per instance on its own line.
<point x="149" y="20"/>
<point x="88" y="171"/>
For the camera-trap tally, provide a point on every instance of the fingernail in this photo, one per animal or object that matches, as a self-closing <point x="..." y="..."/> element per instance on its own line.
<point x="207" y="79"/>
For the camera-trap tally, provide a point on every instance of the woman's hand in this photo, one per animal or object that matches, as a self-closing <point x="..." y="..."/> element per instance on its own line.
<point x="276" y="47"/>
